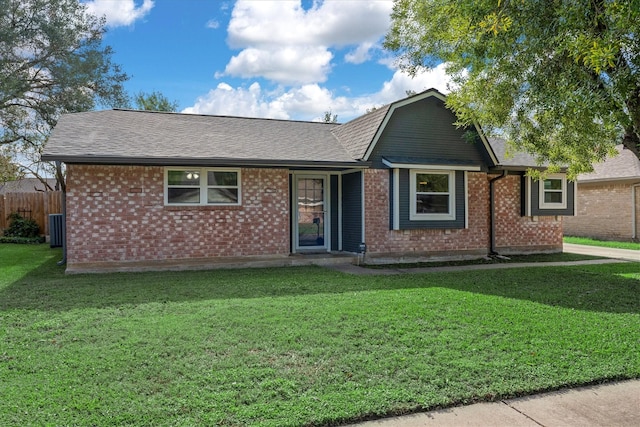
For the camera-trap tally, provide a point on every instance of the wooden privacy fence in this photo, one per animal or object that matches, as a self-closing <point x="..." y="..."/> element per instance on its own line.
<point x="36" y="206"/>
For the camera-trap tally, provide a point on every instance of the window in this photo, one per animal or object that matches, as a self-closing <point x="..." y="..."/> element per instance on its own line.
<point x="432" y="195"/>
<point x="197" y="186"/>
<point x="553" y="192"/>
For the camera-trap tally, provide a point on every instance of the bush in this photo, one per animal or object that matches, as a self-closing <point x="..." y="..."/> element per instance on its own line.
<point x="23" y="240"/>
<point x="21" y="227"/>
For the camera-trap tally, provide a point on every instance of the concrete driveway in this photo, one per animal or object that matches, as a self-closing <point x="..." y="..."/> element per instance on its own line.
<point x="624" y="254"/>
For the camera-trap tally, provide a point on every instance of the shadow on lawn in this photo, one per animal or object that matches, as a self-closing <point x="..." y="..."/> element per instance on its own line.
<point x="605" y="288"/>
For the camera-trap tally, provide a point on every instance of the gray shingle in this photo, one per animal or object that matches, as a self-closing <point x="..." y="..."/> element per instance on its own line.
<point x="125" y="134"/>
<point x="357" y="135"/>
<point x="623" y="166"/>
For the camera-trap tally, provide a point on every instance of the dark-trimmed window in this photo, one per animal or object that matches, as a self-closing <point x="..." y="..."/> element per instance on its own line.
<point x="202" y="186"/>
<point x="553" y="192"/>
<point x="432" y="195"/>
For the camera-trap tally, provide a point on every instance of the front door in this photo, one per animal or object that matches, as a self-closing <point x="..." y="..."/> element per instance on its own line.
<point x="310" y="213"/>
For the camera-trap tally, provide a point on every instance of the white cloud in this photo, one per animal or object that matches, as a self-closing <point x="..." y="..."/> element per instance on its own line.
<point x="290" y="65"/>
<point x="274" y="34"/>
<point x="213" y="24"/>
<point x="310" y="101"/>
<point x="119" y="12"/>
<point x="227" y="101"/>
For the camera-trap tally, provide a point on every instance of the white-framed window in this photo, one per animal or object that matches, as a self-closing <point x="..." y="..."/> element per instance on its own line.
<point x="553" y="192"/>
<point x="202" y="186"/>
<point x="432" y="195"/>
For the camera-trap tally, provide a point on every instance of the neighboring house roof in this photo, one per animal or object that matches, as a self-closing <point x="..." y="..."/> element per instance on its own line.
<point x="143" y="137"/>
<point x="26" y="185"/>
<point x="126" y="136"/>
<point x="508" y="158"/>
<point x="624" y="166"/>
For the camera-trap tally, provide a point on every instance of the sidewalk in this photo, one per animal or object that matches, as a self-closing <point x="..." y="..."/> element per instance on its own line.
<point x="610" y="256"/>
<point x="624" y="254"/>
<point x="612" y="405"/>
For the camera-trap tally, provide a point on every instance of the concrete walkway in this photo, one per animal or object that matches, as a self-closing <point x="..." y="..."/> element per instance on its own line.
<point x="611" y="405"/>
<point x="624" y="254"/>
<point x="609" y="255"/>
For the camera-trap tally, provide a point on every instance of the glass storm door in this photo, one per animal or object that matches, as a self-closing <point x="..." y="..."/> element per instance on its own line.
<point x="311" y="212"/>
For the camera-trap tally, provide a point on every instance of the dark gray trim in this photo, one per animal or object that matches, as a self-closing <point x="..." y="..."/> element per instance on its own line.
<point x="333" y="211"/>
<point x="532" y="204"/>
<point x="352" y="211"/>
<point x="163" y="161"/>
<point x="405" y="193"/>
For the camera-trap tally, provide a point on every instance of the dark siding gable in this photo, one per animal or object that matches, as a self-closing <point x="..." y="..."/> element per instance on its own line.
<point x="426" y="129"/>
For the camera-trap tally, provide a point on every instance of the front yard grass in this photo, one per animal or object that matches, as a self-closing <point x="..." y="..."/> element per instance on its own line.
<point x="301" y="346"/>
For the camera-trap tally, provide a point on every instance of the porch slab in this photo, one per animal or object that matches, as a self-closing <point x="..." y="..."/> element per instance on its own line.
<point x="325" y="259"/>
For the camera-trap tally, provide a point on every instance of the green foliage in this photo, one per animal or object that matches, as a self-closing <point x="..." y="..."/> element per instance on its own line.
<point x="21" y="227"/>
<point x="52" y="61"/>
<point x="299" y="346"/>
<point x="154" y="101"/>
<point x="329" y="117"/>
<point x="558" y="79"/>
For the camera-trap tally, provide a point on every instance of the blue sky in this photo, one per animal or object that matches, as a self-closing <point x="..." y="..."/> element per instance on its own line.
<point x="259" y="58"/>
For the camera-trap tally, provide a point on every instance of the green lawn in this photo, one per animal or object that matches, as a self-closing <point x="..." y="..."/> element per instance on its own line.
<point x="299" y="346"/>
<point x="602" y="243"/>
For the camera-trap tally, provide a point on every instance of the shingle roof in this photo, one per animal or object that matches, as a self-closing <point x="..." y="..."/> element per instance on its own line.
<point x="623" y="166"/>
<point x="511" y="159"/>
<point x="143" y="137"/>
<point x="26" y="185"/>
<point x="357" y="135"/>
<point x="121" y="135"/>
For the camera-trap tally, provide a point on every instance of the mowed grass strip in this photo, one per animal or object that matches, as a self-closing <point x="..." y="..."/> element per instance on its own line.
<point x="299" y="346"/>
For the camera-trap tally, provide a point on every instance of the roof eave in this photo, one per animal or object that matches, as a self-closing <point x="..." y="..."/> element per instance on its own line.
<point x="184" y="161"/>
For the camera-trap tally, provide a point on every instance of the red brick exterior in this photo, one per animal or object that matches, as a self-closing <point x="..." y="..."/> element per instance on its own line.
<point x="605" y="211"/>
<point x="522" y="234"/>
<point x="514" y="233"/>
<point x="117" y="214"/>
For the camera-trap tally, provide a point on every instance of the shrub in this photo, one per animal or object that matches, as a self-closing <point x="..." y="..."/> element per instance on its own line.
<point x="21" y="227"/>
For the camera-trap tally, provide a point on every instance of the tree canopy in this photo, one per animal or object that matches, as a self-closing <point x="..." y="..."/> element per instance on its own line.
<point x="154" y="101"/>
<point x="52" y="61"/>
<point x="559" y="79"/>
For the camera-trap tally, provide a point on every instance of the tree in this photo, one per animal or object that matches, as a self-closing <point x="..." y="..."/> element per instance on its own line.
<point x="154" y="101"/>
<point x="559" y="79"/>
<point x="51" y="62"/>
<point x="329" y="117"/>
<point x="9" y="170"/>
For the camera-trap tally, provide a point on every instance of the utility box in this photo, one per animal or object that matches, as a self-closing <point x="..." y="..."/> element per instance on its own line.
<point x="56" y="230"/>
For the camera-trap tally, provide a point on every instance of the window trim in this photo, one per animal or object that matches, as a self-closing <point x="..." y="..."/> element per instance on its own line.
<point x="415" y="216"/>
<point x="203" y="185"/>
<point x="541" y="192"/>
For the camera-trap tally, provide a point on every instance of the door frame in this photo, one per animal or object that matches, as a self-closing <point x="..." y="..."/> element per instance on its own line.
<point x="326" y="179"/>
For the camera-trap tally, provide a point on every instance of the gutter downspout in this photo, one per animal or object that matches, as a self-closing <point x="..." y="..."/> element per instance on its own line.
<point x="63" y="261"/>
<point x="492" y="217"/>
<point x="634" y="218"/>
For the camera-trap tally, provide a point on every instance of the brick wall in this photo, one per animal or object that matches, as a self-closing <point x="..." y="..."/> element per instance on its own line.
<point x="117" y="213"/>
<point x="604" y="212"/>
<point x="521" y="234"/>
<point x="514" y="234"/>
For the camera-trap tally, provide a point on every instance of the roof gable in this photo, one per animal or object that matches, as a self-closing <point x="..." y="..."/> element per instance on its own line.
<point x="361" y="135"/>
